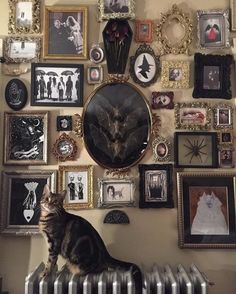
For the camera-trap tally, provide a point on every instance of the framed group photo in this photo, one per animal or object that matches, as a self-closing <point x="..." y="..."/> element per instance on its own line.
<point x="65" y="32"/>
<point x="20" y="211"/>
<point x="25" y="139"/>
<point x="57" y="84"/>
<point x="206" y="209"/>
<point x="78" y="182"/>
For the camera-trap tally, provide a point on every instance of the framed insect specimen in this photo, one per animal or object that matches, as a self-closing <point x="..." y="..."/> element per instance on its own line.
<point x="162" y="100"/>
<point x="64" y="148"/>
<point x="144" y="66"/>
<point x="223" y="116"/>
<point x="212" y="76"/>
<point x="195" y="149"/>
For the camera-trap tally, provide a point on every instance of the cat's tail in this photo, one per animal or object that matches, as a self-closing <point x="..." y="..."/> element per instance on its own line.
<point x="128" y="266"/>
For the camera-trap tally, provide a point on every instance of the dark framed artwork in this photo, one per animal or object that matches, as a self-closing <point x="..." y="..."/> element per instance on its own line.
<point x="226" y="138"/>
<point x="19" y="211"/>
<point x="144" y="66"/>
<point x="155" y="186"/>
<point x="116" y="125"/>
<point x="226" y="157"/>
<point x="64" y="148"/>
<point x="25" y="140"/>
<point x="144" y="31"/>
<point x="195" y="149"/>
<point x="16" y="94"/>
<point x="57" y="84"/>
<point x="212" y="76"/>
<point x="64" y="123"/>
<point x="162" y="100"/>
<point x="206" y="209"/>
<point x="94" y="74"/>
<point x="65" y="32"/>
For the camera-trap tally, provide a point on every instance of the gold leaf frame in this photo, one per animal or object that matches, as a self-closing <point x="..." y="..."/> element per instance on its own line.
<point x="182" y="47"/>
<point x="173" y="64"/>
<point x="62" y="185"/>
<point x="158" y="157"/>
<point x="12" y="25"/>
<point x="70" y="155"/>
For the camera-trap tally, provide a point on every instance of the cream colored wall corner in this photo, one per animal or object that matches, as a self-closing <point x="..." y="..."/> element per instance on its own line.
<point x="152" y="234"/>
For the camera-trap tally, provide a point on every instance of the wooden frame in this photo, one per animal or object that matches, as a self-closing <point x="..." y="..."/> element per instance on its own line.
<point x="24" y="17"/>
<point x="213" y="29"/>
<point x="115" y="10"/>
<point x="19" y="213"/>
<point x="175" y="74"/>
<point x="65" y="32"/>
<point x="193" y="116"/>
<point x="25" y="139"/>
<point x="195" y="149"/>
<point x="155" y="186"/>
<point x="144" y="31"/>
<point x="206" y="209"/>
<point x="64" y="148"/>
<point x="78" y="181"/>
<point x="57" y="84"/>
<point x="223" y="116"/>
<point x="94" y="74"/>
<point x="161" y="148"/>
<point x="22" y="49"/>
<point x="116" y="192"/>
<point x="212" y="76"/>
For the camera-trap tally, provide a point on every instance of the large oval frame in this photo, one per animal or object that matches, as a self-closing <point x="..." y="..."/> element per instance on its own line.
<point x="116" y="124"/>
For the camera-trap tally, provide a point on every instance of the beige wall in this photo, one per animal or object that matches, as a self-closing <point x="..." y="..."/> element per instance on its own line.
<point x="152" y="234"/>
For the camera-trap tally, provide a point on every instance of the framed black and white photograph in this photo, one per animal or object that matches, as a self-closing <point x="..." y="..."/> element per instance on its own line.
<point x="78" y="181"/>
<point x="121" y="9"/>
<point x="116" y="192"/>
<point x="16" y="94"/>
<point x="25" y="139"/>
<point x="24" y="17"/>
<point x="65" y="32"/>
<point x="223" y="116"/>
<point x="94" y="74"/>
<point x="212" y="76"/>
<point x="22" y="192"/>
<point x="64" y="123"/>
<point x="195" y="149"/>
<point x="144" y="66"/>
<point x="22" y="49"/>
<point x="57" y="84"/>
<point x="213" y="28"/>
<point x="155" y="186"/>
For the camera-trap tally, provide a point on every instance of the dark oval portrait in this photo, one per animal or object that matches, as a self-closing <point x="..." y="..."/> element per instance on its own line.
<point x="116" y="125"/>
<point x="16" y="94"/>
<point x="161" y="149"/>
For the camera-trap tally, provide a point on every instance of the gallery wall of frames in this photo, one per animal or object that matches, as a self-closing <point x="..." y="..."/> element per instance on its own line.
<point x="140" y="117"/>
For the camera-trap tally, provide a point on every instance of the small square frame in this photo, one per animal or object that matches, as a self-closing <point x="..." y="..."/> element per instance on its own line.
<point x="64" y="123"/>
<point x="78" y="181"/>
<point x="226" y="138"/>
<point x="162" y="100"/>
<point x="212" y="76"/>
<point x="155" y="186"/>
<point x="203" y="191"/>
<point x="116" y="192"/>
<point x="94" y="74"/>
<point x="144" y="31"/>
<point x="19" y="213"/>
<point x="195" y="149"/>
<point x="226" y="157"/>
<point x="223" y="116"/>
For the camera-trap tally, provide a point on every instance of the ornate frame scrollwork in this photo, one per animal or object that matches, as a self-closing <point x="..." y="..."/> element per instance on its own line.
<point x="159" y="145"/>
<point x="70" y="148"/>
<point x="181" y="47"/>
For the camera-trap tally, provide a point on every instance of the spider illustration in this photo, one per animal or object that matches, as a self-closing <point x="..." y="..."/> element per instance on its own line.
<point x="195" y="149"/>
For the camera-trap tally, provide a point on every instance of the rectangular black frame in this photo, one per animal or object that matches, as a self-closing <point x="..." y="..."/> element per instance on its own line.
<point x="223" y="62"/>
<point x="191" y="149"/>
<point x="56" y="71"/>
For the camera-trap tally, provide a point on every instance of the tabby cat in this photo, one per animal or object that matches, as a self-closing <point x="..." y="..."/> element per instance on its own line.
<point x="76" y="240"/>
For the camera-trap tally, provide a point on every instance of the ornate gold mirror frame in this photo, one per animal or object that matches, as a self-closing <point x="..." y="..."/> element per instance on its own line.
<point x="175" y="17"/>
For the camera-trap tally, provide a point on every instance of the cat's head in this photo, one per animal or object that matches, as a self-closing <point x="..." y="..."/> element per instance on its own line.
<point x="52" y="202"/>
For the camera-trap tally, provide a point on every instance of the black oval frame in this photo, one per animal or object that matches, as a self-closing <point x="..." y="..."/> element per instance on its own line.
<point x="22" y="98"/>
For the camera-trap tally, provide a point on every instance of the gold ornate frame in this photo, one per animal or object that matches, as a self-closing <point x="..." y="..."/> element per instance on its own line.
<point x="181" y="47"/>
<point x="88" y="169"/>
<point x="184" y="66"/>
<point x="9" y="42"/>
<point x="12" y="24"/>
<point x="68" y="154"/>
<point x="158" y="141"/>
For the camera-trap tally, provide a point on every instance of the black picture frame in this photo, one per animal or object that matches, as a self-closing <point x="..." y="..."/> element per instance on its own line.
<point x="195" y="149"/>
<point x="198" y="194"/>
<point x="61" y="94"/>
<point x="155" y="186"/>
<point x="64" y="123"/>
<point x="16" y="94"/>
<point x="212" y="76"/>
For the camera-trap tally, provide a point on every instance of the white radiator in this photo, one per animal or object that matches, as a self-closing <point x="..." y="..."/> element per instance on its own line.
<point x="159" y="280"/>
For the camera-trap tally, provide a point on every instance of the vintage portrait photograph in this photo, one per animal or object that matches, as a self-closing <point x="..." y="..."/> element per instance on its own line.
<point x="211" y="77"/>
<point x="25" y="138"/>
<point x="57" y="84"/>
<point x="64" y="123"/>
<point x="226" y="138"/>
<point x="175" y="74"/>
<point x="226" y="157"/>
<point x="223" y="116"/>
<point x="66" y="32"/>
<point x="94" y="74"/>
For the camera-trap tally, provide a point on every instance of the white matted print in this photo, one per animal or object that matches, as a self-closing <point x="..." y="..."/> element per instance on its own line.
<point x="24" y="14"/>
<point x="145" y="67"/>
<point x="76" y="183"/>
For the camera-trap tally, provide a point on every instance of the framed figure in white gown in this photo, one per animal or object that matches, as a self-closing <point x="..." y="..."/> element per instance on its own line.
<point x="206" y="205"/>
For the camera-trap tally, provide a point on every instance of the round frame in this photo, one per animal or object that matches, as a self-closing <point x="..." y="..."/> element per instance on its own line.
<point x="96" y="54"/>
<point x="117" y="125"/>
<point x="161" y="148"/>
<point x="64" y="148"/>
<point x="16" y="94"/>
<point x="144" y="66"/>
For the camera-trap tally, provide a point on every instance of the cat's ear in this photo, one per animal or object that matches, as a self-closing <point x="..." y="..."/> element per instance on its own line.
<point x="46" y="191"/>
